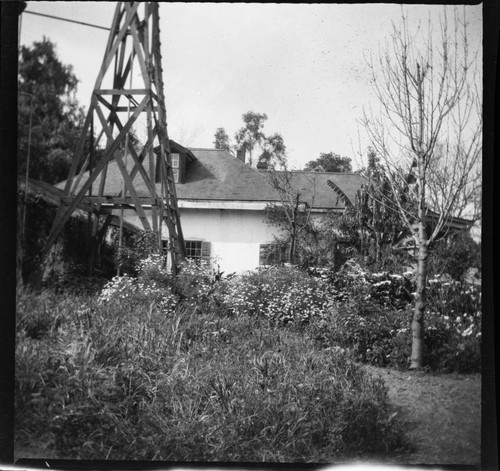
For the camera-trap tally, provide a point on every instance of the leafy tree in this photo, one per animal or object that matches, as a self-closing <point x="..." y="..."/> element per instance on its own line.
<point x="430" y="96"/>
<point x="49" y="118"/>
<point x="274" y="150"/>
<point x="329" y="162"/>
<point x="251" y="134"/>
<point x="371" y="222"/>
<point x="221" y="139"/>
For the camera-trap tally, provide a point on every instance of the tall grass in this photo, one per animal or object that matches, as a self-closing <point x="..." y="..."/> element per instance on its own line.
<point x="132" y="379"/>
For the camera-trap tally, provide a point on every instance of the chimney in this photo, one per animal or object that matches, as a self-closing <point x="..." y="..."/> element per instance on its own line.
<point x="262" y="165"/>
<point x="240" y="154"/>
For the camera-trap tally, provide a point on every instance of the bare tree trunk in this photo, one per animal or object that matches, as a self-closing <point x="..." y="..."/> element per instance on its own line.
<point x="291" y="250"/>
<point x="377" y="247"/>
<point x="293" y="238"/>
<point x="417" y="325"/>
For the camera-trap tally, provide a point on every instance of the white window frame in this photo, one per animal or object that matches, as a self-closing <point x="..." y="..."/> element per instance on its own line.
<point x="202" y="250"/>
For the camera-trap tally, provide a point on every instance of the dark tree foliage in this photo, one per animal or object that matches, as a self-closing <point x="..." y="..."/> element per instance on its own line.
<point x="49" y="118"/>
<point x="454" y="256"/>
<point x="274" y="150"/>
<point x="371" y="223"/>
<point x="221" y="139"/>
<point x="329" y="162"/>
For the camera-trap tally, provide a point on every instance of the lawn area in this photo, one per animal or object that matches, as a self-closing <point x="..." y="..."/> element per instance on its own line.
<point x="442" y="415"/>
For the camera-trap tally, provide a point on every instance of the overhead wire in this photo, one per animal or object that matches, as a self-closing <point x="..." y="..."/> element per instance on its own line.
<point x="67" y="19"/>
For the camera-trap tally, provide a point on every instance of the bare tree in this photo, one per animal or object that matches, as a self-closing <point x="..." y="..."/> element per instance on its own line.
<point x="430" y="117"/>
<point x="293" y="214"/>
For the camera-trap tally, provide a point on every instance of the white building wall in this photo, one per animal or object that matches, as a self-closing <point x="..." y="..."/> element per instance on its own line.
<point x="235" y="235"/>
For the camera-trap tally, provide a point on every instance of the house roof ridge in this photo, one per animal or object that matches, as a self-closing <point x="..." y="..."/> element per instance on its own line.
<point x="320" y="173"/>
<point x="208" y="148"/>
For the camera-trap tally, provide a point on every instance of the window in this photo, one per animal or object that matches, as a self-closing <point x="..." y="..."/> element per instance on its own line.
<point x="197" y="250"/>
<point x="174" y="159"/>
<point x="175" y="172"/>
<point x="272" y="254"/>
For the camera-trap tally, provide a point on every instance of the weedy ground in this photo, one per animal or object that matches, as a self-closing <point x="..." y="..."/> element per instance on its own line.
<point x="129" y="381"/>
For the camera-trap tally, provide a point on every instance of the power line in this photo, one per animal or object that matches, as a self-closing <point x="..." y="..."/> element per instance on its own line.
<point x="66" y="19"/>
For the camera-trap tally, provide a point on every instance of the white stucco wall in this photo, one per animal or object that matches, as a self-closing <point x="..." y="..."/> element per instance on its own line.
<point x="235" y="235"/>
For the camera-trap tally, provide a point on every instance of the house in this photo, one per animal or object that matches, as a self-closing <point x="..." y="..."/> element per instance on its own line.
<point x="222" y="204"/>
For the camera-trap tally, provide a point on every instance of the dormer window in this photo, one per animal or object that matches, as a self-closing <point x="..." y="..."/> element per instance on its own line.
<point x="180" y="158"/>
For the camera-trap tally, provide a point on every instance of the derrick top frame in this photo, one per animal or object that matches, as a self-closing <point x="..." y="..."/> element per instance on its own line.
<point x="121" y="99"/>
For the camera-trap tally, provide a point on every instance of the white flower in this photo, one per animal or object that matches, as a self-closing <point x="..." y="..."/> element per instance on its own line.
<point x="468" y="331"/>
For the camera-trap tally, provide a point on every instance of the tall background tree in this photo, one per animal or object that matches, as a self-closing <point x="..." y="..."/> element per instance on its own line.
<point x="431" y="108"/>
<point x="329" y="162"/>
<point x="251" y="133"/>
<point x="221" y="139"/>
<point x="273" y="151"/>
<point x="49" y="117"/>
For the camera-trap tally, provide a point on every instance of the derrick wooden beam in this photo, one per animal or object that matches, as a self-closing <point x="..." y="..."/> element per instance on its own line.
<point x="132" y="41"/>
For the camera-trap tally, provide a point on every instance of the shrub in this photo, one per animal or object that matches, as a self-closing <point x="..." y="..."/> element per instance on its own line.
<point x="454" y="257"/>
<point x="453" y="326"/>
<point x="134" y="248"/>
<point x="372" y="320"/>
<point x="369" y="333"/>
<point x="195" y="282"/>
<point x="385" y="289"/>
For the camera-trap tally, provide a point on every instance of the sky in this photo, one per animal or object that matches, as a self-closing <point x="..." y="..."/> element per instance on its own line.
<point x="304" y="65"/>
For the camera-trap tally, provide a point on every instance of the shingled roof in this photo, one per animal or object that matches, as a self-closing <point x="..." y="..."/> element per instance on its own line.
<point x="216" y="175"/>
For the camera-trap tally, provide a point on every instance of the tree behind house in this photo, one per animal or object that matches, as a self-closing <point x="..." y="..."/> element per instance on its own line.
<point x="371" y="222"/>
<point x="430" y="97"/>
<point x="221" y="140"/>
<point x="329" y="162"/>
<point x="274" y="151"/>
<point x="251" y="133"/>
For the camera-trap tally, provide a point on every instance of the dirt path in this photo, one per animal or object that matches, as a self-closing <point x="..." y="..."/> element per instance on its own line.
<point x="442" y="415"/>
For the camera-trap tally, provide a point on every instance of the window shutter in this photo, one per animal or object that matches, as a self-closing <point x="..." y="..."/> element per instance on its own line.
<point x="205" y="251"/>
<point x="263" y="254"/>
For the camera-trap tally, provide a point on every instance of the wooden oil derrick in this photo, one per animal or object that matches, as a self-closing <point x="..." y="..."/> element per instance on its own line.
<point x="118" y="102"/>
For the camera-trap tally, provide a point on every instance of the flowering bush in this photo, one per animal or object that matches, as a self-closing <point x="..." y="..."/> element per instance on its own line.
<point x="120" y="289"/>
<point x="282" y="294"/>
<point x="453" y="326"/>
<point x="150" y="287"/>
<point x="374" y="322"/>
<point x="385" y="289"/>
<point x="368" y="332"/>
<point x="195" y="282"/>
